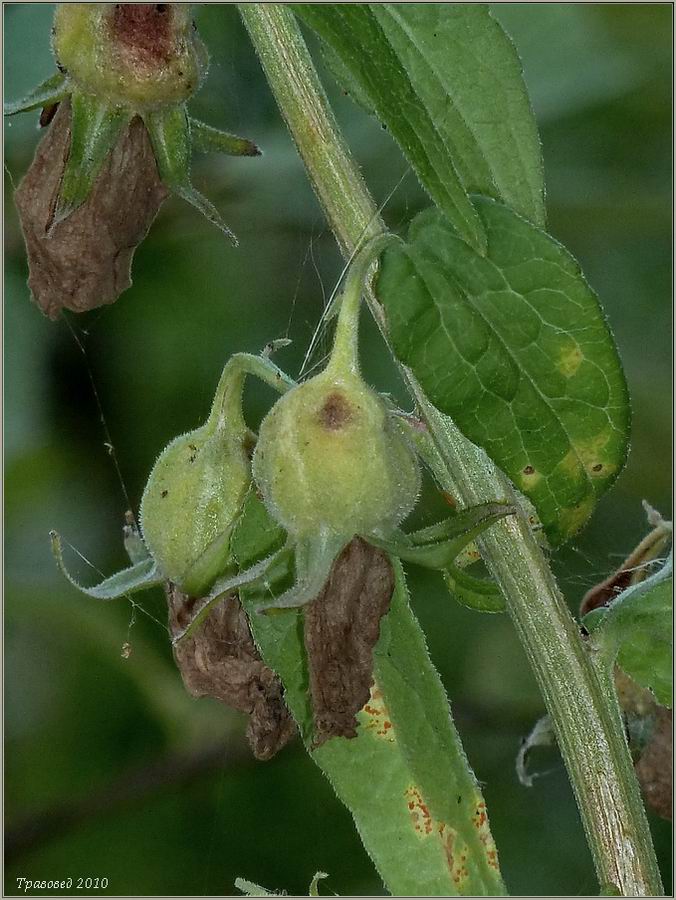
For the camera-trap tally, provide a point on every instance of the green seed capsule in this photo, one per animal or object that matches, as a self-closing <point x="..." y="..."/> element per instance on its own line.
<point x="134" y="55"/>
<point x="195" y="493"/>
<point x="330" y="461"/>
<point x="329" y="456"/>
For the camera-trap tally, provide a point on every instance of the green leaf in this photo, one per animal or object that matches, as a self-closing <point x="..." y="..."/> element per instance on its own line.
<point x="447" y="82"/>
<point x="514" y="348"/>
<point x="636" y="631"/>
<point x="402" y="775"/>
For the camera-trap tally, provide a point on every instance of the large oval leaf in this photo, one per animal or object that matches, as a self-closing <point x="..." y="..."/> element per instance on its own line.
<point x="446" y="81"/>
<point x="514" y="347"/>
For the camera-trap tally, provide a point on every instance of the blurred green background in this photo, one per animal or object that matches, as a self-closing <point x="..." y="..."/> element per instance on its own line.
<point x="111" y="769"/>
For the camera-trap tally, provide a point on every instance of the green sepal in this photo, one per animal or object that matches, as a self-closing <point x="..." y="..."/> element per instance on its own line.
<point x="256" y="535"/>
<point x="207" y="139"/>
<point x="437" y="546"/>
<point x="138" y="577"/>
<point x="134" y="544"/>
<point x="169" y="131"/>
<point x="251" y="889"/>
<point x="211" y="564"/>
<point x="94" y="130"/>
<point x="314" y="558"/>
<point x="255" y="576"/>
<point x="51" y="91"/>
<point x="480" y="594"/>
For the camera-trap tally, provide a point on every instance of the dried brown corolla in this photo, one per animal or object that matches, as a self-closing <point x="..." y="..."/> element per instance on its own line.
<point x="85" y="260"/>
<point x="121" y="143"/>
<point x="219" y="659"/>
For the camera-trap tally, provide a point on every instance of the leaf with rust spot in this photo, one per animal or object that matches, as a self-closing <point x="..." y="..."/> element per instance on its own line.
<point x="84" y="261"/>
<point x="342" y="626"/>
<point x="219" y="659"/>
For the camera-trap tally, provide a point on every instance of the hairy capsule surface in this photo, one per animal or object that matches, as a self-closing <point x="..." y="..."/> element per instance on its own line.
<point x="329" y="456"/>
<point x="135" y="55"/>
<point x="194" y="495"/>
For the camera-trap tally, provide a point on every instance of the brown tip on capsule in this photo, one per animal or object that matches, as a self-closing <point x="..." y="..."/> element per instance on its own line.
<point x="336" y="412"/>
<point x="145" y="28"/>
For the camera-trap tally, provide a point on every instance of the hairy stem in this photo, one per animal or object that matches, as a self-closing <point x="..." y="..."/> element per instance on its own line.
<point x="587" y="723"/>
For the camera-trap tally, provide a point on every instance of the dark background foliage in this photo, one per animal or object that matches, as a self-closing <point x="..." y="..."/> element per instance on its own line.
<point x="111" y="770"/>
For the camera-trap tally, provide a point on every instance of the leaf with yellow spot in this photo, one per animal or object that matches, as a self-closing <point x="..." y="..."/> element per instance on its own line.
<point x="513" y="346"/>
<point x="406" y="751"/>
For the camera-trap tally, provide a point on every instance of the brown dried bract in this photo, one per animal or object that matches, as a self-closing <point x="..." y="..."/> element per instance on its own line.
<point x="654" y="765"/>
<point x="85" y="261"/>
<point x="654" y="769"/>
<point x="220" y="660"/>
<point x="633" y="570"/>
<point x="341" y="629"/>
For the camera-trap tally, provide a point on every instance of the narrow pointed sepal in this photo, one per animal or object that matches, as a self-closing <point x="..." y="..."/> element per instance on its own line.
<point x="255" y="577"/>
<point x="438" y="546"/>
<point x="94" y="131"/>
<point x="314" y="559"/>
<point x="51" y="91"/>
<point x="138" y="577"/>
<point x="133" y="542"/>
<point x="169" y="132"/>
<point x="207" y="139"/>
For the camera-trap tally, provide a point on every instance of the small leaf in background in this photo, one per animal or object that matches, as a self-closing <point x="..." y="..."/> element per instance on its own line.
<point x="449" y="87"/>
<point x="636" y="631"/>
<point x="515" y="349"/>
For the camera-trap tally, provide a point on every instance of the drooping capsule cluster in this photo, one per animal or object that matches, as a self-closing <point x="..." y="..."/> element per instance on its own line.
<point x="309" y="519"/>
<point x="121" y="140"/>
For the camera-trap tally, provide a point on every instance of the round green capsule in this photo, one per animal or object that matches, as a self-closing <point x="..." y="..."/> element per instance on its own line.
<point x="139" y="56"/>
<point x="329" y="456"/>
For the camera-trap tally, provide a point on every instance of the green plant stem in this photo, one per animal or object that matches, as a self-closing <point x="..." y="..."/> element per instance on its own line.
<point x="587" y="721"/>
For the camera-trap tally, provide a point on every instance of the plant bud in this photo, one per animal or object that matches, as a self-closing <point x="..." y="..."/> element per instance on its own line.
<point x="193" y="497"/>
<point x="137" y="55"/>
<point x="330" y="457"/>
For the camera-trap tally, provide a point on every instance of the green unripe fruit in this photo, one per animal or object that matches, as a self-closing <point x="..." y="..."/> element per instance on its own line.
<point x="193" y="496"/>
<point x="140" y="55"/>
<point x="196" y="491"/>
<point x="330" y="457"/>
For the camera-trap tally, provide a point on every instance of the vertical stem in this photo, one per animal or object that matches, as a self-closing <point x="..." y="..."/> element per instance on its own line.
<point x="587" y="722"/>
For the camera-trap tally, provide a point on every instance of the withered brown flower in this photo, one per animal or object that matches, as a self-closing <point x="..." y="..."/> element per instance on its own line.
<point x="84" y="261"/>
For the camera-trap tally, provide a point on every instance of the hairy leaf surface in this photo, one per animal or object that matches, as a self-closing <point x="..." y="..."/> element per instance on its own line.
<point x="402" y="775"/>
<point x="513" y="346"/>
<point x="447" y="83"/>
